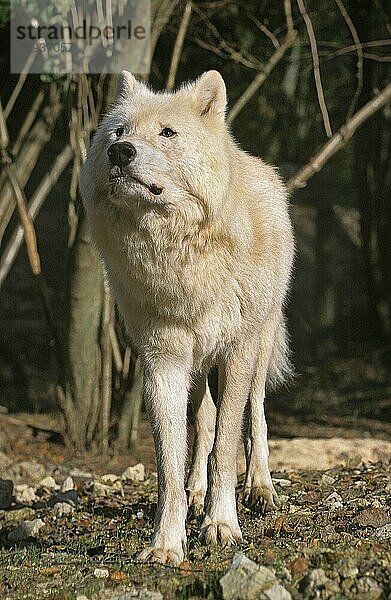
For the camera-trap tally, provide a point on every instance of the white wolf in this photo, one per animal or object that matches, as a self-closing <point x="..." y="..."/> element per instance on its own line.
<point x="197" y="245"/>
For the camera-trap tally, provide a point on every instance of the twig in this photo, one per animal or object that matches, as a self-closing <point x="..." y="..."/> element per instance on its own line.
<point x="160" y="20"/>
<point x="19" y="85"/>
<point x="28" y="122"/>
<point x="28" y="157"/>
<point x="260" y="77"/>
<point x="265" y="30"/>
<point x="288" y="15"/>
<point x="338" y="140"/>
<point x="360" y="59"/>
<point x="46" y="185"/>
<point x="315" y="62"/>
<point x="31" y="241"/>
<point x="177" y="51"/>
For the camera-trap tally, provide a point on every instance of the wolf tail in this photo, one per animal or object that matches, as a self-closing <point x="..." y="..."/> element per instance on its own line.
<point x="280" y="367"/>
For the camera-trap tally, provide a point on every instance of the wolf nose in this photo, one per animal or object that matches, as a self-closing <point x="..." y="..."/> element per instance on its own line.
<point x="121" y="153"/>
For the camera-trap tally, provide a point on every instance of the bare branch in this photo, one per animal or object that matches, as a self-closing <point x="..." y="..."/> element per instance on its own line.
<point x="177" y="51"/>
<point x="265" y="30"/>
<point x="46" y="185"/>
<point x="18" y="88"/>
<point x="315" y="62"/>
<point x="360" y="59"/>
<point x="288" y="15"/>
<point x="260" y="77"/>
<point x="338" y="140"/>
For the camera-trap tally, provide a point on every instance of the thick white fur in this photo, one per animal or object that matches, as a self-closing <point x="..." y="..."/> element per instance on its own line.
<point x="200" y="274"/>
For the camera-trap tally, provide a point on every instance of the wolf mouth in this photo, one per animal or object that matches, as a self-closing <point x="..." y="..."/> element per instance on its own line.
<point x="117" y="179"/>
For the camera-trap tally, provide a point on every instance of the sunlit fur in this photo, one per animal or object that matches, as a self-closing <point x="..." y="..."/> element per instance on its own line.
<point x="200" y="273"/>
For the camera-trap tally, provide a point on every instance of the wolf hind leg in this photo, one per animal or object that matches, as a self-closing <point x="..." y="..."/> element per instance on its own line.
<point x="259" y="492"/>
<point x="204" y="411"/>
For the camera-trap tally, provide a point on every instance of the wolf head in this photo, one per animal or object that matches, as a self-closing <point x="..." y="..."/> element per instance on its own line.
<point x="167" y="150"/>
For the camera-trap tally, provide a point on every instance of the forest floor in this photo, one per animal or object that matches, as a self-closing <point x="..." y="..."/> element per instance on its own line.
<point x="330" y="537"/>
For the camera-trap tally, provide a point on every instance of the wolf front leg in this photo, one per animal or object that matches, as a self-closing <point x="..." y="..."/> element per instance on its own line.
<point x="204" y="429"/>
<point x="166" y="394"/>
<point x="221" y="522"/>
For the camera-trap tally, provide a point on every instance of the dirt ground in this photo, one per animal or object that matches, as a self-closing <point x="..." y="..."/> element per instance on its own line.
<point x="330" y="537"/>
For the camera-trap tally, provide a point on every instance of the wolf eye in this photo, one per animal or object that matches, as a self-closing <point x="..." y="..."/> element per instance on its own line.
<point x="167" y="132"/>
<point x="119" y="131"/>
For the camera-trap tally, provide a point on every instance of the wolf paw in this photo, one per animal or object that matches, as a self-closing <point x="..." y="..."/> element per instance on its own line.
<point x="223" y="534"/>
<point x="161" y="555"/>
<point x="261" y="498"/>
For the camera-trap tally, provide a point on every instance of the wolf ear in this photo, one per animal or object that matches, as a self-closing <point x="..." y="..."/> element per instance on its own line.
<point x="127" y="83"/>
<point x="210" y="94"/>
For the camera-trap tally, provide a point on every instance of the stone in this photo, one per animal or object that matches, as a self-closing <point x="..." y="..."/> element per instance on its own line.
<point x="277" y="592"/>
<point x="373" y="517"/>
<point x="62" y="509"/>
<point x="315" y="580"/>
<point x="136" y="473"/>
<point x="327" y="480"/>
<point x="109" y="478"/>
<point x="103" y="489"/>
<point x="67" y="485"/>
<point x="383" y="533"/>
<point x="25" y="494"/>
<point x="48" y="483"/>
<point x="18" y="515"/>
<point x="69" y="497"/>
<point x="333" y="501"/>
<point x="368" y="588"/>
<point x="26" y="530"/>
<point x="282" y="482"/>
<point x="6" y="493"/>
<point x="101" y="573"/>
<point x="245" y="580"/>
<point x="347" y="568"/>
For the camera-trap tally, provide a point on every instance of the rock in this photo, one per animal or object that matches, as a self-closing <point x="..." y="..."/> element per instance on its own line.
<point x="25" y="494"/>
<point x="246" y="580"/>
<point x="282" y="482"/>
<point x="373" y="517"/>
<point x="327" y="480"/>
<point x="69" y="497"/>
<point x="368" y="589"/>
<point x="6" y="493"/>
<point x="383" y="533"/>
<point x="277" y="592"/>
<point x="315" y="580"/>
<point x="109" y="478"/>
<point x="103" y="489"/>
<point x="136" y="473"/>
<point x="18" y="515"/>
<point x="67" y="485"/>
<point x="26" y="530"/>
<point x="48" y="483"/>
<point x="79" y="474"/>
<point x="62" y="508"/>
<point x="333" y="501"/>
<point x="101" y="573"/>
<point x="347" y="568"/>
<point x="298" y="566"/>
